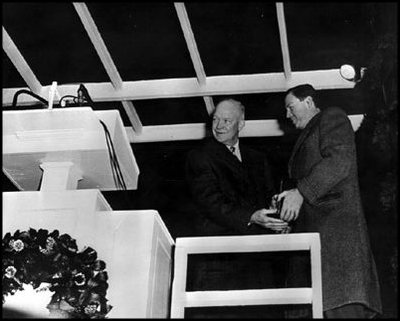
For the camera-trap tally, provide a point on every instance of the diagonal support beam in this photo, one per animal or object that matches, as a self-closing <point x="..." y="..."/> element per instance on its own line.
<point x="209" y="104"/>
<point x="284" y="43"/>
<point x="107" y="61"/>
<point x="194" y="52"/>
<point x="190" y="42"/>
<point x="20" y="63"/>
<point x="132" y="114"/>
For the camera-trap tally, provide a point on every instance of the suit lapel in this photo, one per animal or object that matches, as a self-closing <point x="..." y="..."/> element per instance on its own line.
<point x="245" y="155"/>
<point x="222" y="152"/>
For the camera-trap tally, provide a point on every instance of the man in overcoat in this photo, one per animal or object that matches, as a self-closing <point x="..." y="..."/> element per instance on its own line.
<point x="232" y="186"/>
<point x="327" y="200"/>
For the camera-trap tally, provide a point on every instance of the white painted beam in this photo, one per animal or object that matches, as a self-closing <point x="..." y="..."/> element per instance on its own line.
<point x="189" y="87"/>
<point x="190" y="42"/>
<point x="98" y="43"/>
<point x="20" y="64"/>
<point x="284" y="43"/>
<point x="209" y="104"/>
<point x="195" y="131"/>
<point x="165" y="133"/>
<point x="132" y="115"/>
<point x="194" y="52"/>
<point x="247" y="243"/>
<point x="107" y="61"/>
<point x="248" y="297"/>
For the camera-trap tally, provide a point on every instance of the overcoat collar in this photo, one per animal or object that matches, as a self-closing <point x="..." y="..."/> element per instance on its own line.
<point x="303" y="135"/>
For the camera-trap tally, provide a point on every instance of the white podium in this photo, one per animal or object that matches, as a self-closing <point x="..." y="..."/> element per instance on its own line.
<point x="70" y="157"/>
<point x="135" y="245"/>
<point x="32" y="138"/>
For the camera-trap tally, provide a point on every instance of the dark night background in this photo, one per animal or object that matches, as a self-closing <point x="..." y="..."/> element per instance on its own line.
<point x="233" y="38"/>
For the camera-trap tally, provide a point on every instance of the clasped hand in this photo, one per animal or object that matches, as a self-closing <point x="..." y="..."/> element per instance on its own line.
<point x="291" y="204"/>
<point x="261" y="218"/>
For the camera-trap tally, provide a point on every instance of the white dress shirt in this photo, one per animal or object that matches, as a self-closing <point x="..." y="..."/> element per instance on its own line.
<point x="237" y="150"/>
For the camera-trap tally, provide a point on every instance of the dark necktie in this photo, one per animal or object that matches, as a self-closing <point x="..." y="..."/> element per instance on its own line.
<point x="233" y="151"/>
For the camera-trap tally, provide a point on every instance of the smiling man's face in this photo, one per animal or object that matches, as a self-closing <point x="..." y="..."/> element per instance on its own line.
<point x="298" y="110"/>
<point x="228" y="120"/>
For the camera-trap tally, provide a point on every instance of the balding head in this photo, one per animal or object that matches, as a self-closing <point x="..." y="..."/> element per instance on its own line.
<point x="228" y="121"/>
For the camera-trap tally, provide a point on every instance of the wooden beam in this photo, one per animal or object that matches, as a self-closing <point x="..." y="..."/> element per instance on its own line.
<point x="248" y="243"/>
<point x="284" y="43"/>
<point x="98" y="43"/>
<point x="249" y="297"/>
<point x="209" y="104"/>
<point x="189" y="87"/>
<point x="132" y="115"/>
<point x="195" y="131"/>
<point x="194" y="52"/>
<point x="20" y="64"/>
<point x="107" y="61"/>
<point x="166" y="133"/>
<point x="190" y="42"/>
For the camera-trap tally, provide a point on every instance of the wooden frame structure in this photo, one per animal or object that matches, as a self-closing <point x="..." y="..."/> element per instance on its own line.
<point x="200" y="86"/>
<point x="248" y="243"/>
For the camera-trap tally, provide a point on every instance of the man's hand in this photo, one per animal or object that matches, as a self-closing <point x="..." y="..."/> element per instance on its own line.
<point x="261" y="218"/>
<point x="292" y="201"/>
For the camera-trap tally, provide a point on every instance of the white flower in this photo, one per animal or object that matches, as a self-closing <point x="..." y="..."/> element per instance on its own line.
<point x="17" y="245"/>
<point x="91" y="308"/>
<point x="10" y="271"/>
<point x="80" y="279"/>
<point x="50" y="243"/>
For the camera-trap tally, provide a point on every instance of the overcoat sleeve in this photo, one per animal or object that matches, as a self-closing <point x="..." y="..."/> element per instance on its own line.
<point x="336" y="149"/>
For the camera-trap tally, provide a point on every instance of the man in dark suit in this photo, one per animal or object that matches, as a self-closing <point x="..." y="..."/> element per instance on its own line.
<point x="231" y="189"/>
<point x="326" y="199"/>
<point x="232" y="186"/>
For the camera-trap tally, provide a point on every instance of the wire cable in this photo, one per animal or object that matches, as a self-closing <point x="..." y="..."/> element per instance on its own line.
<point x="83" y="96"/>
<point x="115" y="168"/>
<point x="28" y="92"/>
<point x="67" y="96"/>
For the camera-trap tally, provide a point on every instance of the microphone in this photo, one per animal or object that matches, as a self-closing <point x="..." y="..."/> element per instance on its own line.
<point x="83" y="96"/>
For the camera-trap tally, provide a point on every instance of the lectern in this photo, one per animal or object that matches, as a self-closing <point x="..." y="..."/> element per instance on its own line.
<point x="66" y="148"/>
<point x="59" y="160"/>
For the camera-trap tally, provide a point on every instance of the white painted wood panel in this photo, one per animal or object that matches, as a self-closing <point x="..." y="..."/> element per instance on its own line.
<point x="241" y="244"/>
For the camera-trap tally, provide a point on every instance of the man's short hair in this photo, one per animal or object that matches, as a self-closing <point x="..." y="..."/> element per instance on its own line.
<point x="233" y="102"/>
<point x="304" y="91"/>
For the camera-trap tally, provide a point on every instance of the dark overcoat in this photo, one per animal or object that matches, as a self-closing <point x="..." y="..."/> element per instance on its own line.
<point x="226" y="191"/>
<point x="323" y="164"/>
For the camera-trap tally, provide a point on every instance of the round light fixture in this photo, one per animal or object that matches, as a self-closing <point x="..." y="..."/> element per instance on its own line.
<point x="348" y="72"/>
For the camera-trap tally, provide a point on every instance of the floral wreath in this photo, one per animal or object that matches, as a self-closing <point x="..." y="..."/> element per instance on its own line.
<point x="77" y="278"/>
